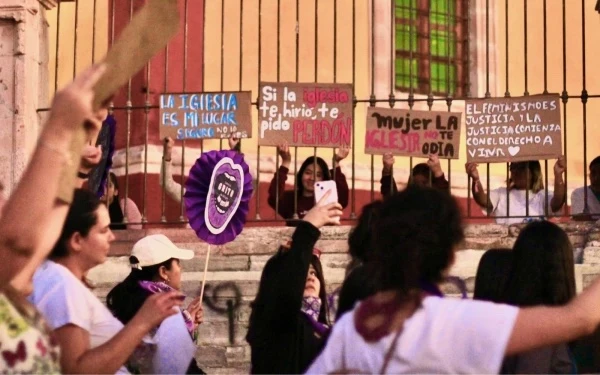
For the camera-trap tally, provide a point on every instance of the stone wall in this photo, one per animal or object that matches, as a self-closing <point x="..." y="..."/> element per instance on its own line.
<point x="234" y="271"/>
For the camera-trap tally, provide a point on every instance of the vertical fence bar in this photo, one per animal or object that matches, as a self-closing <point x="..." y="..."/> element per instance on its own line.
<point x="163" y="218"/>
<point x="450" y="23"/>
<point x="545" y="78"/>
<point x="147" y="128"/>
<point x="58" y="45"/>
<point x="468" y="91"/>
<point x="278" y="79"/>
<point x="565" y="95"/>
<point x="487" y="86"/>
<point x="259" y="75"/>
<point x="128" y="106"/>
<point x="526" y="93"/>
<point x="295" y="216"/>
<point x="75" y="38"/>
<point x="372" y="96"/>
<point x="222" y="57"/>
<point x="335" y="66"/>
<point x="353" y="208"/>
<point x="94" y="31"/>
<point x="392" y="94"/>
<point x="185" y="60"/>
<point x="584" y="99"/>
<point x="411" y="93"/>
<point x="316" y="77"/>
<point x="507" y="92"/>
<point x="430" y="12"/>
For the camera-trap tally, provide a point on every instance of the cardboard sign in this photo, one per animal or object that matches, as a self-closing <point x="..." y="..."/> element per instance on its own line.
<point x="205" y="115"/>
<point x="305" y="114"/>
<point x="412" y="133"/>
<point x="148" y="32"/>
<point x="513" y="129"/>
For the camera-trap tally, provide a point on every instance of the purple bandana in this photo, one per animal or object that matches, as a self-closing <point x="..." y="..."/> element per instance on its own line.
<point x="311" y="307"/>
<point x="161" y="287"/>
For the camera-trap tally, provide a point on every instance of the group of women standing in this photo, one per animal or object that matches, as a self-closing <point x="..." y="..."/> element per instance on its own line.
<point x="403" y="323"/>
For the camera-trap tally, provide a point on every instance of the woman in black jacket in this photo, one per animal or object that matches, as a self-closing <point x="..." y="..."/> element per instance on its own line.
<point x="288" y="323"/>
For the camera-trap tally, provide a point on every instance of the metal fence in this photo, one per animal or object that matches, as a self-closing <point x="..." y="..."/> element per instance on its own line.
<point x="437" y="53"/>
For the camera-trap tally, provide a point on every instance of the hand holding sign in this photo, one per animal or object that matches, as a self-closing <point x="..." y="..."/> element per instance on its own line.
<point x="472" y="172"/>
<point x="434" y="164"/>
<point x="284" y="151"/>
<point x="388" y="162"/>
<point x="560" y="166"/>
<point x="342" y="153"/>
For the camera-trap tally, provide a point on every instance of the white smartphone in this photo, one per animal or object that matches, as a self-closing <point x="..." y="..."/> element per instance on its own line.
<point x="322" y="187"/>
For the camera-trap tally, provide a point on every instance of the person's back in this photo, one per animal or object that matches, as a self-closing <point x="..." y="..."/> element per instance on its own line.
<point x="543" y="261"/>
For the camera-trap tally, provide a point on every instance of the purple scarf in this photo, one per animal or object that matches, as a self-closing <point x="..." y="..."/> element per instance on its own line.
<point x="311" y="307"/>
<point x="161" y="287"/>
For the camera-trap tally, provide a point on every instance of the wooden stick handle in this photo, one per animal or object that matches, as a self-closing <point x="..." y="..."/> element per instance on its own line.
<point x="204" y="274"/>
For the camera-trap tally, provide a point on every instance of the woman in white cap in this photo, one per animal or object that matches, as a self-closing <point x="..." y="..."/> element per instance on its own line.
<point x="155" y="268"/>
<point x="91" y="339"/>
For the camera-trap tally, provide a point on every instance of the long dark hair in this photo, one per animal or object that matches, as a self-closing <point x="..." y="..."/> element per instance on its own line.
<point x="360" y="238"/>
<point x="492" y="274"/>
<point x="311" y="160"/>
<point x="415" y="237"/>
<point x="543" y="267"/>
<point x="80" y="219"/>
<point x="114" y="209"/>
<point x="257" y="326"/>
<point x="126" y="298"/>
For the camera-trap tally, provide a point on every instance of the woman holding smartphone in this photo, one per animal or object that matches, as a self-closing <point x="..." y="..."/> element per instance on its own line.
<point x="313" y="169"/>
<point x="288" y="323"/>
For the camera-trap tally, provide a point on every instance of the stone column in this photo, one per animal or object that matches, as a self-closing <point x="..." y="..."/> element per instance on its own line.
<point x="23" y="83"/>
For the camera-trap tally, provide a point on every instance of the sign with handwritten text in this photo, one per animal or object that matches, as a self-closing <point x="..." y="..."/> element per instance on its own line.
<point x="205" y="115"/>
<point x="412" y="133"/>
<point x="305" y="114"/>
<point x="513" y="129"/>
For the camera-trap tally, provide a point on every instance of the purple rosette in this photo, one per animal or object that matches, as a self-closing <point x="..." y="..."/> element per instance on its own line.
<point x="217" y="196"/>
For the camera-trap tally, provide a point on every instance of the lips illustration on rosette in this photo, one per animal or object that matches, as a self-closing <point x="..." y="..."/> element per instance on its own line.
<point x="217" y="196"/>
<point x="225" y="193"/>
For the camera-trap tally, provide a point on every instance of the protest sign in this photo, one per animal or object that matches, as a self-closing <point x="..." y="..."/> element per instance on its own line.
<point x="513" y="129"/>
<point x="305" y="114"/>
<point x="412" y="133"/>
<point x="206" y="115"/>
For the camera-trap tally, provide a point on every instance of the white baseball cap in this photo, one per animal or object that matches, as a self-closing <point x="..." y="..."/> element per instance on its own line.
<point x="157" y="248"/>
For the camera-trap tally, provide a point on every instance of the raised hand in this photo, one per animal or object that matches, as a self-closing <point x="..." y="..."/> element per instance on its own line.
<point x="168" y="148"/>
<point x="472" y="171"/>
<point x="560" y="166"/>
<point x="284" y="151"/>
<point x="342" y="153"/>
<point x="434" y="164"/>
<point x="323" y="214"/>
<point x="388" y="162"/>
<point x="233" y="141"/>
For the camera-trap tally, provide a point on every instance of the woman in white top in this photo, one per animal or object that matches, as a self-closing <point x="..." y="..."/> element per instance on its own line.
<point x="524" y="197"/>
<point x="410" y="328"/>
<point x="91" y="339"/>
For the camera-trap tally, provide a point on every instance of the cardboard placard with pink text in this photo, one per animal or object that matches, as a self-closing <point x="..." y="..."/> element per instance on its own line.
<point x="412" y="133"/>
<point x="513" y="129"/>
<point x="305" y="114"/>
